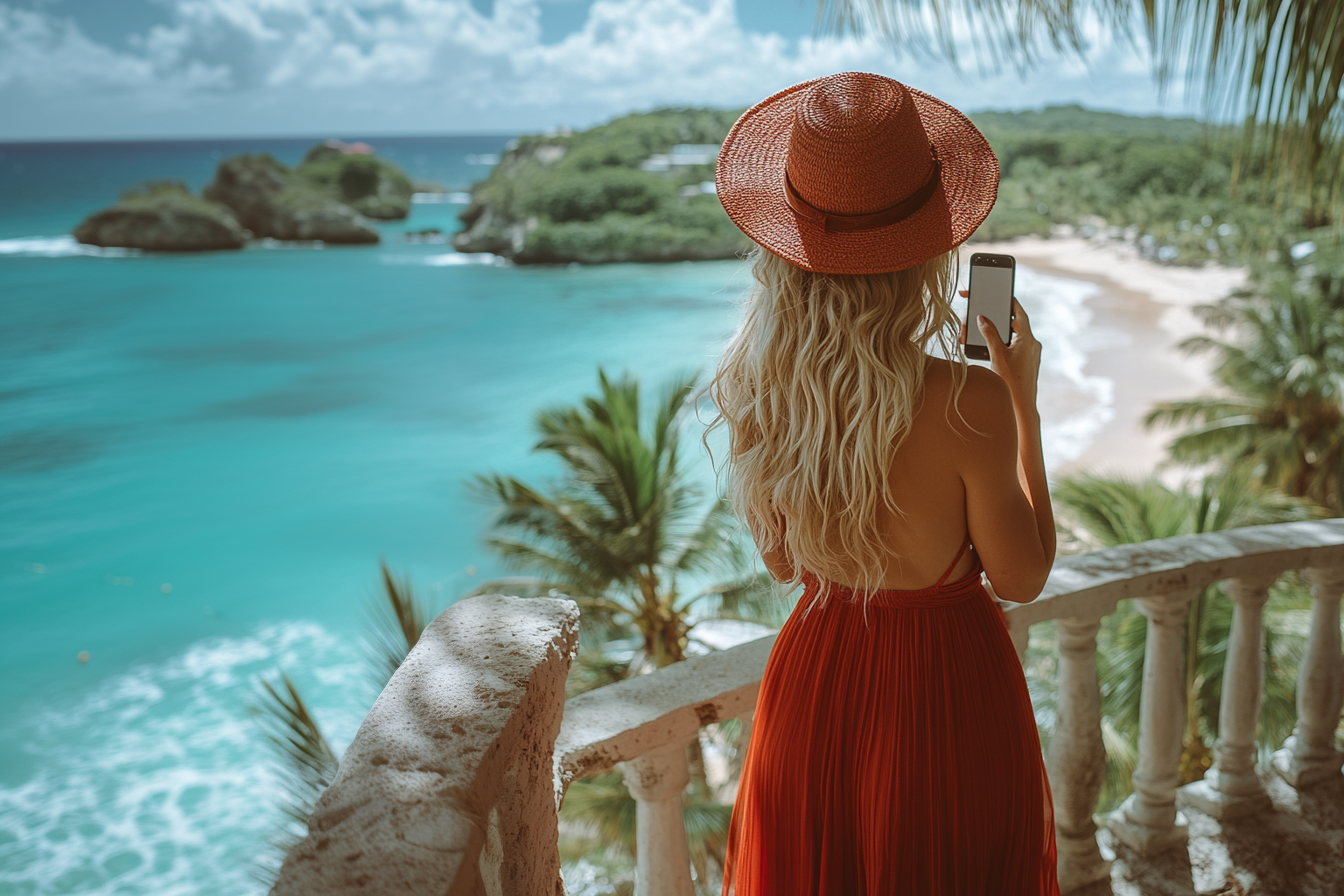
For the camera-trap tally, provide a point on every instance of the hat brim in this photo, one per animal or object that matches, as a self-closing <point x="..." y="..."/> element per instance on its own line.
<point x="749" y="179"/>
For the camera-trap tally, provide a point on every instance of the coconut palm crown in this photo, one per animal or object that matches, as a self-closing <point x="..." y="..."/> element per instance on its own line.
<point x="624" y="528"/>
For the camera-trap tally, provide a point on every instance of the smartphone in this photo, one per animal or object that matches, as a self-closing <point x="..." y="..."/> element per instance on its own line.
<point x="991" y="292"/>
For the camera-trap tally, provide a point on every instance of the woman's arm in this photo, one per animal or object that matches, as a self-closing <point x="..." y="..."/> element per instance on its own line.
<point x="1007" y="499"/>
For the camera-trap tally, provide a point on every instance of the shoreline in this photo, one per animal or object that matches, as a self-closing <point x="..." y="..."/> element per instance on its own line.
<point x="1152" y="305"/>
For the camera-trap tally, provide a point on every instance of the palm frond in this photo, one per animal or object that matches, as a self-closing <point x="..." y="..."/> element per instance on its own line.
<point x="1108" y="511"/>
<point x="1227" y="440"/>
<point x="712" y="545"/>
<point x="1204" y="409"/>
<point x="602" y="804"/>
<point x="1276" y="64"/>
<point x="1122" y="757"/>
<point x="398" y="622"/>
<point x="306" y="765"/>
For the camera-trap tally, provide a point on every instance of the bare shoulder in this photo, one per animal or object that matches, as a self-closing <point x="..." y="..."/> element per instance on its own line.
<point x="984" y="405"/>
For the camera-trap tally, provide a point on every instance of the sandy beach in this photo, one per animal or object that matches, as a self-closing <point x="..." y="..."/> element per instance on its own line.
<point x="1152" y="306"/>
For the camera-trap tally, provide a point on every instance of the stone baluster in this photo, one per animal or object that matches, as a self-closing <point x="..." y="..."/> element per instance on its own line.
<point x="1077" y="757"/>
<point x="1310" y="755"/>
<point x="662" y="859"/>
<point x="1231" y="788"/>
<point x="1148" y="821"/>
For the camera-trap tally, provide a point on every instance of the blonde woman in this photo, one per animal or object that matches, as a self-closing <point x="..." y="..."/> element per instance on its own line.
<point x="894" y="750"/>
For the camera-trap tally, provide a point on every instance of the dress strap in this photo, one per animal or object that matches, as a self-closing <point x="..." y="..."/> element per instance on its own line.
<point x="965" y="543"/>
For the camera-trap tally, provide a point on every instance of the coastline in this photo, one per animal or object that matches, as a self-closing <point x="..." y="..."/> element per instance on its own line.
<point x="1152" y="307"/>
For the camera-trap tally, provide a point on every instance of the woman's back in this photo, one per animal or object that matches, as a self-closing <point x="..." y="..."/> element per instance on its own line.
<point x="952" y="477"/>
<point x="926" y="482"/>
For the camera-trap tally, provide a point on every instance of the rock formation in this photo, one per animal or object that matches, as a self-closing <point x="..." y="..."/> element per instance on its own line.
<point x="271" y="201"/>
<point x="351" y="173"/>
<point x="163" y="216"/>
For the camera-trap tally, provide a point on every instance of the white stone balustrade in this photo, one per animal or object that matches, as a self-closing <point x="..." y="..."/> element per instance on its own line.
<point x="1147" y="820"/>
<point x="1164" y="576"/>
<point x="644" y="724"/>
<point x="1310" y="754"/>
<point x="1076" y="758"/>
<point x="1232" y="788"/>
<point x="656" y="781"/>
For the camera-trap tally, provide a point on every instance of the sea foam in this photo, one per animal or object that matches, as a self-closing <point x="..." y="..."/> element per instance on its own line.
<point x="59" y="247"/>
<point x="446" y="259"/>
<point x="158" y="781"/>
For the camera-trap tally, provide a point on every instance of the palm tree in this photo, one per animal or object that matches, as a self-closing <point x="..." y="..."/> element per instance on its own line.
<point x="1276" y="64"/>
<point x="1101" y="511"/>
<point x="624" y="529"/>
<point x="1282" y="413"/>
<point x="621" y="533"/>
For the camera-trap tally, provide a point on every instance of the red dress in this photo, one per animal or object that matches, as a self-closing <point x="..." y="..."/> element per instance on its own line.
<point x="894" y="752"/>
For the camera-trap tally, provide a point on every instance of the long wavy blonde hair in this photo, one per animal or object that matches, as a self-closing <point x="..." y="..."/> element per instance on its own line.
<point x="817" y="390"/>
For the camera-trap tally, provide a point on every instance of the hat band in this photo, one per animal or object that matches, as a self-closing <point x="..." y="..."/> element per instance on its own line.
<point x="834" y="223"/>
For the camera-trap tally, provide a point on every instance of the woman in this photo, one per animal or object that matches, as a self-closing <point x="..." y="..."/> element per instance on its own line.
<point x="894" y="750"/>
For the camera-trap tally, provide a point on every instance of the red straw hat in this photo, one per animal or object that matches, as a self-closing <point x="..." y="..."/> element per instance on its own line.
<point x="856" y="174"/>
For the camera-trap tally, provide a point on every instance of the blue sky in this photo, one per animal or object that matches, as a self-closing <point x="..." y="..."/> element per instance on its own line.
<point x="74" y="69"/>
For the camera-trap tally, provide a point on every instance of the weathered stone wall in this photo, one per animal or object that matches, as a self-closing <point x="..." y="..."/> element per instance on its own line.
<point x="448" y="786"/>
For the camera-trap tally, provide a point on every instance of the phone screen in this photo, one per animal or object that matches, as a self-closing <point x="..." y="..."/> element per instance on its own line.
<point x="991" y="294"/>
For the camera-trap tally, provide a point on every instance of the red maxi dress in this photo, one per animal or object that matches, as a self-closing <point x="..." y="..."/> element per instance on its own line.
<point x="894" y="753"/>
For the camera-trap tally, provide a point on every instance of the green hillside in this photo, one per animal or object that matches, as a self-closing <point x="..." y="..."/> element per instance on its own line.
<point x="1165" y="184"/>
<point x="584" y="197"/>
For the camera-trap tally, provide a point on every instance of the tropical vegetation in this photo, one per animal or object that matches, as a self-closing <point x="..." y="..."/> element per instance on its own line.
<point x="374" y="187"/>
<point x="1166" y="185"/>
<point x="1163" y="185"/>
<point x="1278" y="350"/>
<point x="628" y="533"/>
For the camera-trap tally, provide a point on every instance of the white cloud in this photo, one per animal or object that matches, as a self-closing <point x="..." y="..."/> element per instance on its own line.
<point x="426" y="65"/>
<point x="35" y="46"/>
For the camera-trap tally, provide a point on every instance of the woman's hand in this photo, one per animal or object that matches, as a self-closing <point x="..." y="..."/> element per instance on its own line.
<point x="1019" y="363"/>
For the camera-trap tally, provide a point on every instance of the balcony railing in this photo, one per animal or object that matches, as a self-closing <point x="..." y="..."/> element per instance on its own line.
<point x="443" y="786"/>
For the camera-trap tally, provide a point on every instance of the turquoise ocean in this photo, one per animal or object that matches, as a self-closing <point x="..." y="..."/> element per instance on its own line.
<point x="204" y="457"/>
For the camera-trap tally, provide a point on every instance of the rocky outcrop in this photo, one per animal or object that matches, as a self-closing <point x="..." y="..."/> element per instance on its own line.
<point x="163" y="217"/>
<point x="350" y="172"/>
<point x="486" y="227"/>
<point x="449" y="785"/>
<point x="271" y="201"/>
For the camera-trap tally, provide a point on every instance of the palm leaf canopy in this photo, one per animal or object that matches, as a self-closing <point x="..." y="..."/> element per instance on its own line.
<point x="1275" y="64"/>
<point x="1282" y="368"/>
<point x="621" y="525"/>
<point x="623" y="505"/>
